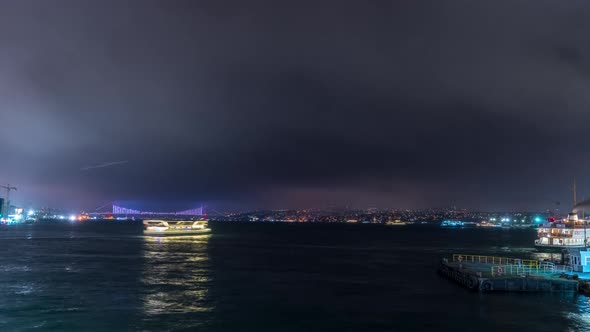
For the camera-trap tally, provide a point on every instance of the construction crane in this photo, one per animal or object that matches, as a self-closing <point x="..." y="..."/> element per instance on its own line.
<point x="8" y="189"/>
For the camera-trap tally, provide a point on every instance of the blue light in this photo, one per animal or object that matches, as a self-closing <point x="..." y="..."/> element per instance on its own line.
<point x="452" y="223"/>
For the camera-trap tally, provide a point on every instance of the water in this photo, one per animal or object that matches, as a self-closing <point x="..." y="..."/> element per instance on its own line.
<point x="263" y="277"/>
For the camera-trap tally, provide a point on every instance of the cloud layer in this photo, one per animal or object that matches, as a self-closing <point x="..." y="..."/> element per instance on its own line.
<point x="381" y="103"/>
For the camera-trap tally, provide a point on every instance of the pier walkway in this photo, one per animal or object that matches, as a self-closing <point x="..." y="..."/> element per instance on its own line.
<point x="489" y="273"/>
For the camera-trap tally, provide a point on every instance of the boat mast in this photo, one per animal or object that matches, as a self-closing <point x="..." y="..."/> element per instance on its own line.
<point x="574" y="191"/>
<point x="583" y="218"/>
<point x="584" y="221"/>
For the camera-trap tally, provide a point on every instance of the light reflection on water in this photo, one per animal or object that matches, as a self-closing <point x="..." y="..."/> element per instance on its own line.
<point x="579" y="317"/>
<point x="176" y="275"/>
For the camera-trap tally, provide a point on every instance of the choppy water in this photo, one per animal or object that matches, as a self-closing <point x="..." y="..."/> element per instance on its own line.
<point x="263" y="277"/>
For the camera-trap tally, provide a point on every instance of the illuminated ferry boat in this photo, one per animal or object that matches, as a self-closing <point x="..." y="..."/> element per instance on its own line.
<point x="174" y="227"/>
<point x="563" y="234"/>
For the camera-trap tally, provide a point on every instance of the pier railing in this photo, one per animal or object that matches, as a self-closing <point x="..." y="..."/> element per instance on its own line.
<point x="499" y="270"/>
<point x="531" y="263"/>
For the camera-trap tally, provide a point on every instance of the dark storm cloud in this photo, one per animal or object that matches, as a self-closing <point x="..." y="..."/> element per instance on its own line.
<point x="370" y="103"/>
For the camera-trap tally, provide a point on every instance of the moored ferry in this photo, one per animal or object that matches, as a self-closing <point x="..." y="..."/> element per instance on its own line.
<point x="563" y="234"/>
<point x="174" y="227"/>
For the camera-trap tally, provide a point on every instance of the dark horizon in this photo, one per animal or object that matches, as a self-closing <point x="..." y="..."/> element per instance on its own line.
<point x="260" y="104"/>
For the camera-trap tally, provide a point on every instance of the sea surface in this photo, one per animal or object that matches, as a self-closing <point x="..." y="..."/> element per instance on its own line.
<point x="263" y="277"/>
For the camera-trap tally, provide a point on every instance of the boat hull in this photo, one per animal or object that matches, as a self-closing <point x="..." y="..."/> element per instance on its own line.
<point x="555" y="249"/>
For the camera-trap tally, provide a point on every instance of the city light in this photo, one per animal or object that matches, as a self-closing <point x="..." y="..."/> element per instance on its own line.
<point x="30" y="213"/>
<point x="72" y="218"/>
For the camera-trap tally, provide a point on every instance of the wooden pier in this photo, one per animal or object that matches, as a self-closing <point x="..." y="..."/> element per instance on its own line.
<point x="487" y="274"/>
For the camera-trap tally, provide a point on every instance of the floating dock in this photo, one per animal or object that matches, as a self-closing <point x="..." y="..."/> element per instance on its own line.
<point x="490" y="273"/>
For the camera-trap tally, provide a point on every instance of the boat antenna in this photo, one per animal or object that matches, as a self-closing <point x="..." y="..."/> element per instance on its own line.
<point x="585" y="224"/>
<point x="574" y="190"/>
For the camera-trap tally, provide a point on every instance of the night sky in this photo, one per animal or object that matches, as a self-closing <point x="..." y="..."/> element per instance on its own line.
<point x="285" y="104"/>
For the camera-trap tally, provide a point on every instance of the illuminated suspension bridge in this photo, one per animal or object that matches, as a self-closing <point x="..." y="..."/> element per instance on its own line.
<point x="119" y="210"/>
